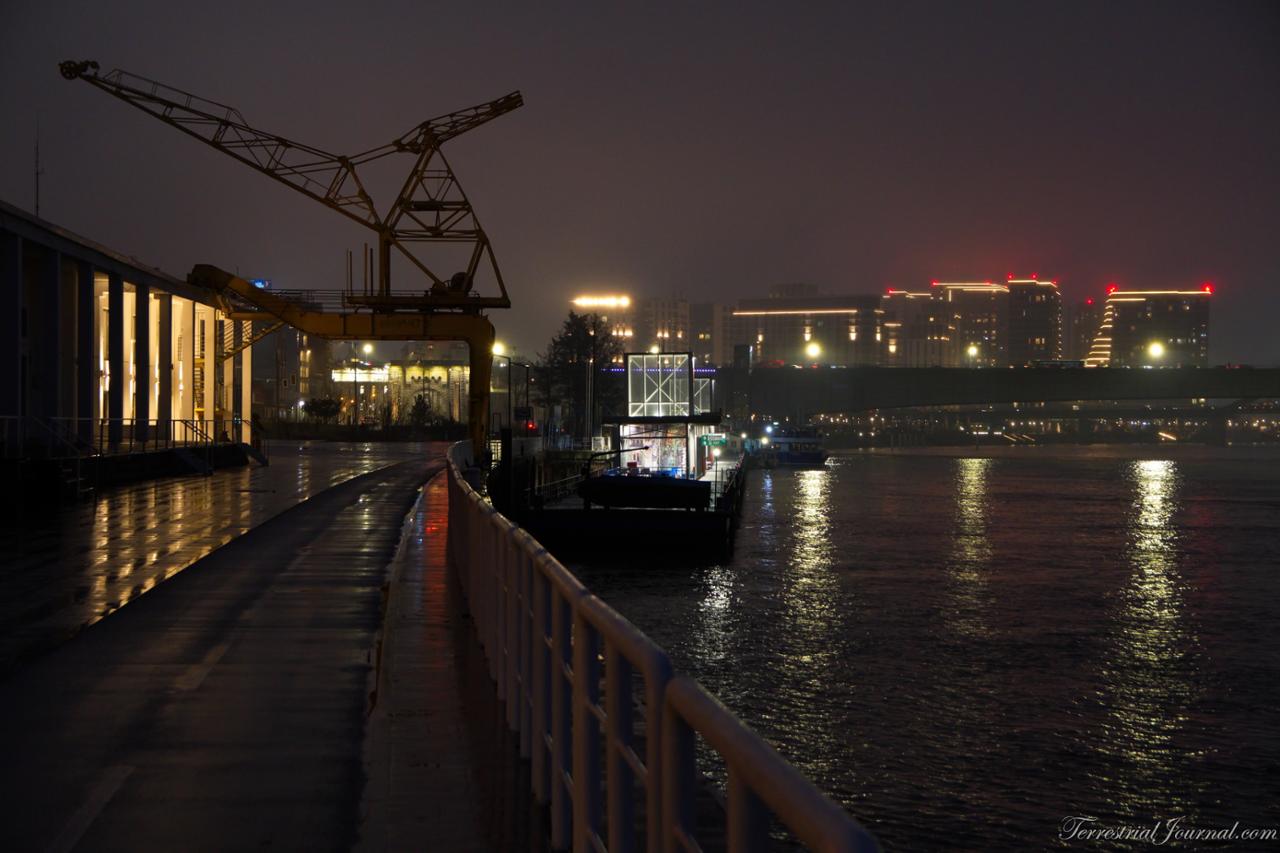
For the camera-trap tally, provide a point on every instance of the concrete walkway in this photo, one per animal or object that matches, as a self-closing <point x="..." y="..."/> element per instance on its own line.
<point x="67" y="568"/>
<point x="444" y="770"/>
<point x="225" y="709"/>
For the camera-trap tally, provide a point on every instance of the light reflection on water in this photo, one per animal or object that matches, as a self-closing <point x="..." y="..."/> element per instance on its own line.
<point x="966" y="650"/>
<point x="83" y="562"/>
<point x="971" y="547"/>
<point x="1147" y="678"/>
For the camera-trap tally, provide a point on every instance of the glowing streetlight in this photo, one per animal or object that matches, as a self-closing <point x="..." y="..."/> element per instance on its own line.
<point x="499" y="348"/>
<point x="368" y="348"/>
<point x="1156" y="350"/>
<point x="973" y="350"/>
<point x="813" y="350"/>
<point x="654" y="349"/>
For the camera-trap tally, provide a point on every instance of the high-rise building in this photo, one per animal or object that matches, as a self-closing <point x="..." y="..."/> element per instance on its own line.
<point x="782" y="329"/>
<point x="1035" y="321"/>
<point x="662" y="322"/>
<point x="1084" y="321"/>
<point x="913" y="335"/>
<point x="1153" y="328"/>
<point x="972" y="316"/>
<point x="710" y="325"/>
<point x="617" y="311"/>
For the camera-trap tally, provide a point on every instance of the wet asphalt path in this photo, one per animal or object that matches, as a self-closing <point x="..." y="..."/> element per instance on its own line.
<point x="225" y="708"/>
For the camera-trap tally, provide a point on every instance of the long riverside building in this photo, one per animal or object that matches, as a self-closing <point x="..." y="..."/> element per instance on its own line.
<point x="100" y="344"/>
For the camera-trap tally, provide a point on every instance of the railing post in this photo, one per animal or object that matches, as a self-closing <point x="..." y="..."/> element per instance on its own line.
<point x="679" y="773"/>
<point x="541" y="680"/>
<point x="561" y="722"/>
<point x="586" y="734"/>
<point x="619" y="733"/>
<point x="511" y="652"/>
<point x="525" y="635"/>
<point x="748" y="820"/>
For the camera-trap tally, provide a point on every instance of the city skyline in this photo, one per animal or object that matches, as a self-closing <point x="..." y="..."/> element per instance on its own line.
<point x="856" y="149"/>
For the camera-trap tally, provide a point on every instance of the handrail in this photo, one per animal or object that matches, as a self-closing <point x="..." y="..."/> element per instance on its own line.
<point x="550" y="644"/>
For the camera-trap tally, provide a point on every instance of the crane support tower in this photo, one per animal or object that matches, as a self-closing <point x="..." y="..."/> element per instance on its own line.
<point x="430" y="211"/>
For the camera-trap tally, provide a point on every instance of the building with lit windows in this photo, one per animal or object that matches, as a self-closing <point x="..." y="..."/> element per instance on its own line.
<point x="972" y="317"/>
<point x="1083" y="324"/>
<point x="1034" y="321"/>
<point x="1153" y="328"/>
<point x="840" y="330"/>
<point x="914" y="334"/>
<point x="108" y="352"/>
<point x="662" y="323"/>
<point x="711" y="325"/>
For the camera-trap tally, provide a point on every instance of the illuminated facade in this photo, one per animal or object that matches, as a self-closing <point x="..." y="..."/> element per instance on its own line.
<point x="289" y="368"/>
<point x="1153" y="328"/>
<point x="1086" y="319"/>
<point x="973" y="316"/>
<point x="711" y="327"/>
<point x="101" y="346"/>
<point x="616" y="311"/>
<point x="914" y="330"/>
<point x="1035" y="321"/>
<point x="837" y="330"/>
<point x="662" y="323"/>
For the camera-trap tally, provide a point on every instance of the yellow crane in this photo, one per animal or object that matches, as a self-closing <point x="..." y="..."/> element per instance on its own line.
<point x="431" y="210"/>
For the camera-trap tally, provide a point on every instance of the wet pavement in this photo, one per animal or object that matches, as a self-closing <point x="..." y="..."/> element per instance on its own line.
<point x="226" y="708"/>
<point x="67" y="568"/>
<point x="443" y="768"/>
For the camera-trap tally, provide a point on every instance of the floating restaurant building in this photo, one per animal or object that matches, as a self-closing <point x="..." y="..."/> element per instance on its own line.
<point x="108" y="355"/>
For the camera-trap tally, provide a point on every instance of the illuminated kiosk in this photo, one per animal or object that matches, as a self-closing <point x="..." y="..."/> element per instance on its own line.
<point x="659" y="461"/>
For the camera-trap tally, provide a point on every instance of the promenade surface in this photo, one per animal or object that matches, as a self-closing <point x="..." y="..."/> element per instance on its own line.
<point x="67" y="567"/>
<point x="241" y="705"/>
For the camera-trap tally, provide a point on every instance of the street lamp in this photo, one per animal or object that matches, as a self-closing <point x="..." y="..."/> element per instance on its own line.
<point x="499" y="351"/>
<point x="368" y="348"/>
<point x="973" y="351"/>
<point x="813" y="350"/>
<point x="1156" y="350"/>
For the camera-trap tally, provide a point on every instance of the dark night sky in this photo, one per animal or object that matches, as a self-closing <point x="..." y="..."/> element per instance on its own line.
<point x="712" y="152"/>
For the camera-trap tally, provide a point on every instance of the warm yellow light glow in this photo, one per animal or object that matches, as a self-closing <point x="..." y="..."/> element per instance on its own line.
<point x="603" y="301"/>
<point x="499" y="348"/>
<point x="813" y="350"/>
<point x="654" y="349"/>
<point x="368" y="348"/>
<point x="973" y="351"/>
<point x="781" y="312"/>
<point x="1156" y="350"/>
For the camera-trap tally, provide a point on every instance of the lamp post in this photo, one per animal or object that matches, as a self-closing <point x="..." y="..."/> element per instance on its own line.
<point x="499" y="351"/>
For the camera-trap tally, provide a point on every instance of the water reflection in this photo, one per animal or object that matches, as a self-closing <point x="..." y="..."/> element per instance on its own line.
<point x="970" y="548"/>
<point x="813" y="606"/>
<point x="1148" y="679"/>
<point x="75" y="566"/>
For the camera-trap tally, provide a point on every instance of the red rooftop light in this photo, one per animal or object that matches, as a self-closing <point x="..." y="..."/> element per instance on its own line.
<point x="1089" y="301"/>
<point x="1208" y="288"/>
<point x="1112" y="288"/>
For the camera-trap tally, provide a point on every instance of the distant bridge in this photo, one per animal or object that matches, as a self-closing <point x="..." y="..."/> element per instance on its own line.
<point x="788" y="391"/>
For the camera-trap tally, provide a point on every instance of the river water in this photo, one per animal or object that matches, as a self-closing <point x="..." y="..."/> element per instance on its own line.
<point x="967" y="648"/>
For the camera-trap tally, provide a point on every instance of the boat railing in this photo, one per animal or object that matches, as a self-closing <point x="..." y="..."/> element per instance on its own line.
<point x="601" y="752"/>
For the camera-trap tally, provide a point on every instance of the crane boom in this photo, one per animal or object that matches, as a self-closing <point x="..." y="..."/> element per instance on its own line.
<point x="431" y="206"/>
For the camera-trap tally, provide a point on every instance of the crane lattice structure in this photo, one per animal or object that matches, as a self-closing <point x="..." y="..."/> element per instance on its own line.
<point x="431" y="208"/>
